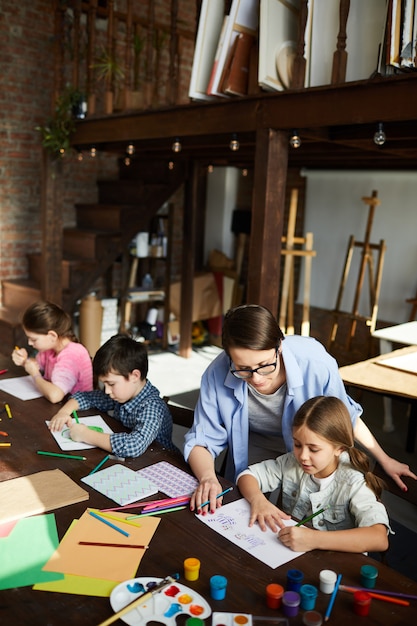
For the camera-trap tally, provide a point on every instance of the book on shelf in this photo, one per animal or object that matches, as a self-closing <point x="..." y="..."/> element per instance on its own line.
<point x="243" y="17"/>
<point x="235" y="77"/>
<point x="208" y="33"/>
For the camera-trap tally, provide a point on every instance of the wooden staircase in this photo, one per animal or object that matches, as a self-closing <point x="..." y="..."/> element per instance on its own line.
<point x="102" y="234"/>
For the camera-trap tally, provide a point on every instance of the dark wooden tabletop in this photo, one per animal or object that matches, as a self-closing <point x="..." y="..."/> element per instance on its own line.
<point x="179" y="535"/>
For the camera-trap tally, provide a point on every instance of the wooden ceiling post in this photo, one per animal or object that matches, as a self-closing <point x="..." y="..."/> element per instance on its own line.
<point x="268" y="204"/>
<point x="189" y="228"/>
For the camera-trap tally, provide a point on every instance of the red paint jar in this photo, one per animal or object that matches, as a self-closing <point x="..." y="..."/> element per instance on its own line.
<point x="361" y="602"/>
<point x="274" y="595"/>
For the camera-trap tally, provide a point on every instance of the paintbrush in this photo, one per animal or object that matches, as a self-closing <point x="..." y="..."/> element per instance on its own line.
<point x="141" y="599"/>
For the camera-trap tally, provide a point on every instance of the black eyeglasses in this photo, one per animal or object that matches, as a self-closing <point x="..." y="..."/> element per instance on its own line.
<point x="262" y="370"/>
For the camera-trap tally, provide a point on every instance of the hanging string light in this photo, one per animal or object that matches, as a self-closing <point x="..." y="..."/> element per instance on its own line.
<point x="380" y="136"/>
<point x="295" y="140"/>
<point x="176" y="146"/>
<point x="234" y="144"/>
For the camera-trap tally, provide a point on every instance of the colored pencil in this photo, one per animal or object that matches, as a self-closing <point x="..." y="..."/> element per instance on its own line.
<point x="5" y="445"/>
<point x="111" y="545"/>
<point x="381" y="594"/>
<point x="144" y="597"/>
<point x="3" y="372"/>
<point x="218" y="496"/>
<point x="167" y="501"/>
<point x="76" y="417"/>
<point x="8" y="411"/>
<point x="102" y="462"/>
<point x="63" y="456"/>
<point x="105" y="521"/>
<point x="310" y="517"/>
<point x="162" y="507"/>
<point x="115" y="518"/>
<point x="332" y="598"/>
<point x="160" y="512"/>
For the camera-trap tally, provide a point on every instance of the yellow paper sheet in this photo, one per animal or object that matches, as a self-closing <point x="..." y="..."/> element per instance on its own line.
<point x="113" y="564"/>
<point x="80" y="585"/>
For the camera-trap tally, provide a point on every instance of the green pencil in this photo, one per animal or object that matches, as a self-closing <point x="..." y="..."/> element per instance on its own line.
<point x="76" y="416"/>
<point x="310" y="517"/>
<point x="176" y="508"/>
<point x="63" y="456"/>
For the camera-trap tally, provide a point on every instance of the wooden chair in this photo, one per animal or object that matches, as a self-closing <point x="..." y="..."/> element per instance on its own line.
<point x="181" y="415"/>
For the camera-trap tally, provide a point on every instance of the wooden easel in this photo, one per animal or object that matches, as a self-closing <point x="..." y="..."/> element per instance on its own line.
<point x="286" y="316"/>
<point x="367" y="262"/>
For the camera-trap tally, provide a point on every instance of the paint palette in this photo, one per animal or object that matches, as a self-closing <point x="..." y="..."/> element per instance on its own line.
<point x="162" y="607"/>
<point x="231" y="619"/>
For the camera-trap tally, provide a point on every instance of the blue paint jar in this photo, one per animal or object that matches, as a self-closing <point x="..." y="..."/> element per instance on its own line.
<point x="369" y="574"/>
<point x="294" y="580"/>
<point x="218" y="586"/>
<point x="308" y="596"/>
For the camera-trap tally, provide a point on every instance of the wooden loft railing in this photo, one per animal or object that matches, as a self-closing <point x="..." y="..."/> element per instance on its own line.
<point x="99" y="48"/>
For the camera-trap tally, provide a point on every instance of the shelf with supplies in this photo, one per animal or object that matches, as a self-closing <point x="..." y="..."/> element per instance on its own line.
<point x="149" y="276"/>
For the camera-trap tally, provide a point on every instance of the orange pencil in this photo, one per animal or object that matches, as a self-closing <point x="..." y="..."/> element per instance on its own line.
<point x="377" y="596"/>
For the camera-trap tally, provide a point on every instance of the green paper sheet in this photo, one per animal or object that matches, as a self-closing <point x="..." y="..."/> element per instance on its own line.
<point x="25" y="551"/>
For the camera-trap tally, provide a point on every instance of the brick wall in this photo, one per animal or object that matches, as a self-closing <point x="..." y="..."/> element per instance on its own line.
<point x="26" y="92"/>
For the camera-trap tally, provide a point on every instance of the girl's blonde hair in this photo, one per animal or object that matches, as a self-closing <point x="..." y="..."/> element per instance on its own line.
<point x="41" y="317"/>
<point x="329" y="418"/>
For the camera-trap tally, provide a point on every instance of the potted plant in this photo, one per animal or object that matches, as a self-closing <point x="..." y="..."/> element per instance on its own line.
<point x="109" y="70"/>
<point x="56" y="133"/>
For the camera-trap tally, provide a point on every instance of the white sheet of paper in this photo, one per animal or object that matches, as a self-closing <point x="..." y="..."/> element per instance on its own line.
<point x="65" y="443"/>
<point x="405" y="363"/>
<point x="232" y="521"/>
<point x="21" y="387"/>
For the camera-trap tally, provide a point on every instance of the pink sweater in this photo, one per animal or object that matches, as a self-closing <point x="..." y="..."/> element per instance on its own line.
<point x="71" y="369"/>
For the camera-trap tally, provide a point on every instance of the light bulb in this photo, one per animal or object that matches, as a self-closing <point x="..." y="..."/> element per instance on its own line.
<point x="244" y="172"/>
<point x="380" y="137"/>
<point x="295" y="141"/>
<point x="79" y="156"/>
<point x="171" y="165"/>
<point x="210" y="169"/>
<point x="93" y="152"/>
<point x="234" y="145"/>
<point x="176" y="146"/>
<point x="130" y="149"/>
<point x="127" y="161"/>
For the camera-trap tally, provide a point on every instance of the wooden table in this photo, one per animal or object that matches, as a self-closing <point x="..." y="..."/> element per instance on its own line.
<point x="371" y="376"/>
<point x="403" y="334"/>
<point x="179" y="535"/>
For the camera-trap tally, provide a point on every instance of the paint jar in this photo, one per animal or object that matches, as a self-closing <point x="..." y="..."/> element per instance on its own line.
<point x="361" y="602"/>
<point x="308" y="596"/>
<point x="327" y="580"/>
<point x="294" y="580"/>
<point x="191" y="569"/>
<point x="290" y="603"/>
<point x="312" y="618"/>
<point x="274" y="595"/>
<point x="369" y="574"/>
<point x="218" y="585"/>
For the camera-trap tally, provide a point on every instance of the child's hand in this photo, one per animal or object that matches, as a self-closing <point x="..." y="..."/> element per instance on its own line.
<point x="60" y="420"/>
<point x="79" y="432"/>
<point x="19" y="357"/>
<point x="298" y="538"/>
<point x="266" y="514"/>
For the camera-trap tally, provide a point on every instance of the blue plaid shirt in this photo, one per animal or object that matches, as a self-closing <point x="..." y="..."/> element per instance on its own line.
<point x="147" y="415"/>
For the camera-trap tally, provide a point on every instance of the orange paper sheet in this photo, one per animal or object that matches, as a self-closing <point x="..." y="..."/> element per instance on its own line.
<point x="102" y="562"/>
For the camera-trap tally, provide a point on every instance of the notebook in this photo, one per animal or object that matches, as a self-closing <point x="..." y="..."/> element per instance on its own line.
<point x="121" y="484"/>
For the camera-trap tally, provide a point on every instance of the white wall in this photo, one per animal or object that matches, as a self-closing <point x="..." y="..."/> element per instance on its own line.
<point x="335" y="210"/>
<point x="221" y="200"/>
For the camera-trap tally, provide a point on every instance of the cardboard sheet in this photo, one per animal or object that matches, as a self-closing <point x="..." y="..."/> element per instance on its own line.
<point x="37" y="493"/>
<point x="102" y="562"/>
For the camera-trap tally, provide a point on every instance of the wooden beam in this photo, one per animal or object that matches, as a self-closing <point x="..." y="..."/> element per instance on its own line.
<point x="271" y="162"/>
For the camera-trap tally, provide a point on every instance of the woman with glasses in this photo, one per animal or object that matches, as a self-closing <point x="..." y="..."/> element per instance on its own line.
<point x="250" y="393"/>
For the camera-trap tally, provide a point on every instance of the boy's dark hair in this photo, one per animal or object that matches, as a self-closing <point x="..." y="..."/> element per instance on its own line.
<point x="121" y="354"/>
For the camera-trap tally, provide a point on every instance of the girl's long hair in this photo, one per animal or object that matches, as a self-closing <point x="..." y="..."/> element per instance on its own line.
<point x="329" y="418"/>
<point x="41" y="317"/>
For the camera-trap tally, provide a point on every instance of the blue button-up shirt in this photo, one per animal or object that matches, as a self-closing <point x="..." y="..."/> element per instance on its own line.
<point x="147" y="415"/>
